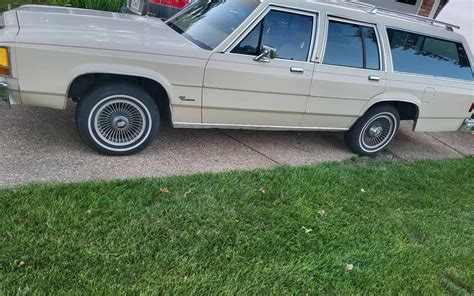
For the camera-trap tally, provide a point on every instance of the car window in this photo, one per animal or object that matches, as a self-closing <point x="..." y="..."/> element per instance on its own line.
<point x="251" y="44"/>
<point x="371" y="47"/>
<point x="208" y="23"/>
<point x="288" y="33"/>
<point x="352" y="45"/>
<point x="419" y="54"/>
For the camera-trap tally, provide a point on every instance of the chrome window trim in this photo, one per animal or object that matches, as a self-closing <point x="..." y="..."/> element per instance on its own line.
<point x="252" y="127"/>
<point x="382" y="60"/>
<point x="263" y="10"/>
<point x="248" y="29"/>
<point x="319" y="16"/>
<point x="466" y="49"/>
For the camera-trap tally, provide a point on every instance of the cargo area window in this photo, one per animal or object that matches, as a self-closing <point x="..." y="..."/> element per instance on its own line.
<point x="289" y="33"/>
<point x="352" y="45"/>
<point x="419" y="54"/>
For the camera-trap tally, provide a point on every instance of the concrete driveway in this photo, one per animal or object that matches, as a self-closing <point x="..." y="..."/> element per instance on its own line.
<point x="38" y="145"/>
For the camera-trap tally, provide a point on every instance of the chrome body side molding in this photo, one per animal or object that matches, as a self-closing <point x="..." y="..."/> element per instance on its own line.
<point x="252" y="127"/>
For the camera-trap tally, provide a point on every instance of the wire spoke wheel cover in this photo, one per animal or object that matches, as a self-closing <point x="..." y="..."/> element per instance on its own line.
<point x="378" y="132"/>
<point x="119" y="123"/>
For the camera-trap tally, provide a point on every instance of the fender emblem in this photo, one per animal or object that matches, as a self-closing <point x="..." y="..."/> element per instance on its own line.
<point x="183" y="98"/>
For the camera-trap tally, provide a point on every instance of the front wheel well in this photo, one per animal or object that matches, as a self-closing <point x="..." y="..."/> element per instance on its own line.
<point x="83" y="84"/>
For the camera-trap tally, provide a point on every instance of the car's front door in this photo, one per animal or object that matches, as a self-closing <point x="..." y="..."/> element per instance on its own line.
<point x="350" y="75"/>
<point x="243" y="92"/>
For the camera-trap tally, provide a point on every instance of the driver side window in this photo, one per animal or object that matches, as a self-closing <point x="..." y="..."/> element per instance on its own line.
<point x="289" y="33"/>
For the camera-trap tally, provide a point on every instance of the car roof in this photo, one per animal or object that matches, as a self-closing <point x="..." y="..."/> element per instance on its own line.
<point x="371" y="14"/>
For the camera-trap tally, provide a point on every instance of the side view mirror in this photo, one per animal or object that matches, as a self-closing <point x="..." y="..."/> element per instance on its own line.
<point x="268" y="53"/>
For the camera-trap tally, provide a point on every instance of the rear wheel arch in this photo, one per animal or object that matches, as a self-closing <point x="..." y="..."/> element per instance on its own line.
<point x="408" y="109"/>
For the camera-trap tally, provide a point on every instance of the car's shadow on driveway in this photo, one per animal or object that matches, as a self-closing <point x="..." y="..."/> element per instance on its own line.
<point x="40" y="144"/>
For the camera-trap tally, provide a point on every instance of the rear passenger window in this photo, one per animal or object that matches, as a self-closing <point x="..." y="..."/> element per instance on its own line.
<point x="352" y="45"/>
<point x="418" y="54"/>
<point x="371" y="48"/>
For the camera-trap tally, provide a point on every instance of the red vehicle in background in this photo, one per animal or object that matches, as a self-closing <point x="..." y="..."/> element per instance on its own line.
<point x="158" y="8"/>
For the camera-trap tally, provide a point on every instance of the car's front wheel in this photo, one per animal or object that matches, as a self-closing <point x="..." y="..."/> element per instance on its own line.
<point x="117" y="119"/>
<point x="374" y="131"/>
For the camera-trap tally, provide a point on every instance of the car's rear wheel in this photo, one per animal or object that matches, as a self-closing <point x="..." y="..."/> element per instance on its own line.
<point x="374" y="131"/>
<point x="117" y="119"/>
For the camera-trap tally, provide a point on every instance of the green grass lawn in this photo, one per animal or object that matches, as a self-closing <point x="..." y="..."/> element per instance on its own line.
<point x="403" y="228"/>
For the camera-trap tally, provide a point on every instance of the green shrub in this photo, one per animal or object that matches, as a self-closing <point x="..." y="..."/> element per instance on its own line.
<point x="108" y="5"/>
<point x="15" y="3"/>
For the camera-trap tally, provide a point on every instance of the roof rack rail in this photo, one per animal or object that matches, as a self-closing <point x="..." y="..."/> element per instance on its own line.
<point x="380" y="10"/>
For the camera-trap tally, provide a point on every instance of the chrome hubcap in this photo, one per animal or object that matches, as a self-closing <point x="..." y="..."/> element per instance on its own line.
<point x="375" y="131"/>
<point x="120" y="122"/>
<point x="378" y="132"/>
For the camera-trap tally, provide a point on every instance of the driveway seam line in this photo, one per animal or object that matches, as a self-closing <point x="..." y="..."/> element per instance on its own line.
<point x="447" y="145"/>
<point x="250" y="147"/>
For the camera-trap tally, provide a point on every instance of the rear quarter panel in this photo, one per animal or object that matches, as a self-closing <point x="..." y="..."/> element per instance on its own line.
<point x="443" y="103"/>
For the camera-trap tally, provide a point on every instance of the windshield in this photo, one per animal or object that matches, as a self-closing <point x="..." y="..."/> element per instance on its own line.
<point x="209" y="22"/>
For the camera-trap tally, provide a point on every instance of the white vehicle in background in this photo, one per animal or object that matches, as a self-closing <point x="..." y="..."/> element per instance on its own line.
<point x="240" y="64"/>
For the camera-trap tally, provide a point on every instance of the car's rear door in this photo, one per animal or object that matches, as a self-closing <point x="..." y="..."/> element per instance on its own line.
<point x="350" y="74"/>
<point x="239" y="91"/>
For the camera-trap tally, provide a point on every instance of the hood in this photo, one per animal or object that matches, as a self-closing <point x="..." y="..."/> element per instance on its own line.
<point x="74" y="27"/>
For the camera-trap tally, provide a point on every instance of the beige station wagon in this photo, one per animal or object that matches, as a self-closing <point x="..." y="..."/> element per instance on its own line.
<point x="240" y="64"/>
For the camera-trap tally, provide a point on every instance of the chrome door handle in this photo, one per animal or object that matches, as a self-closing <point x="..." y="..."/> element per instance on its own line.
<point x="297" y="70"/>
<point x="374" y="78"/>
